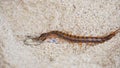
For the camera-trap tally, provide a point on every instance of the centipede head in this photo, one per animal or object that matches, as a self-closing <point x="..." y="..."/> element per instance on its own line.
<point x="43" y="37"/>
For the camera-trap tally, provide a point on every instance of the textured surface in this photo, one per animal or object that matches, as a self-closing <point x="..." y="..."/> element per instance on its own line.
<point x="19" y="18"/>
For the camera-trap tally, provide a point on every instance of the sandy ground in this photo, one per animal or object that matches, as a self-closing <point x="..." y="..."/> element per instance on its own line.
<point x="20" y="18"/>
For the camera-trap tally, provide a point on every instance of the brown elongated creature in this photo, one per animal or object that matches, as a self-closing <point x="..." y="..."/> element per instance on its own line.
<point x="74" y="38"/>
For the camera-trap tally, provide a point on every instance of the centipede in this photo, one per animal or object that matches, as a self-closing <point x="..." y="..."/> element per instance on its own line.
<point x="75" y="38"/>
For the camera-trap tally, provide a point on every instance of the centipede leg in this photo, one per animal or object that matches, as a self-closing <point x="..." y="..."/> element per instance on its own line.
<point x="71" y="42"/>
<point x="90" y="44"/>
<point x="80" y="45"/>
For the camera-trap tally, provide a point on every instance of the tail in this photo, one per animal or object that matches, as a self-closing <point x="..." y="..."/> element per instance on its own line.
<point x="111" y="35"/>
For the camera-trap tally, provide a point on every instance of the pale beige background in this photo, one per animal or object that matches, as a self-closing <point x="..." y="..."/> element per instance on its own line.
<point x="19" y="18"/>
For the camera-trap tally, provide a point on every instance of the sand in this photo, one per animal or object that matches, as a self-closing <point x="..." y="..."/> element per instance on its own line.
<point x="21" y="18"/>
